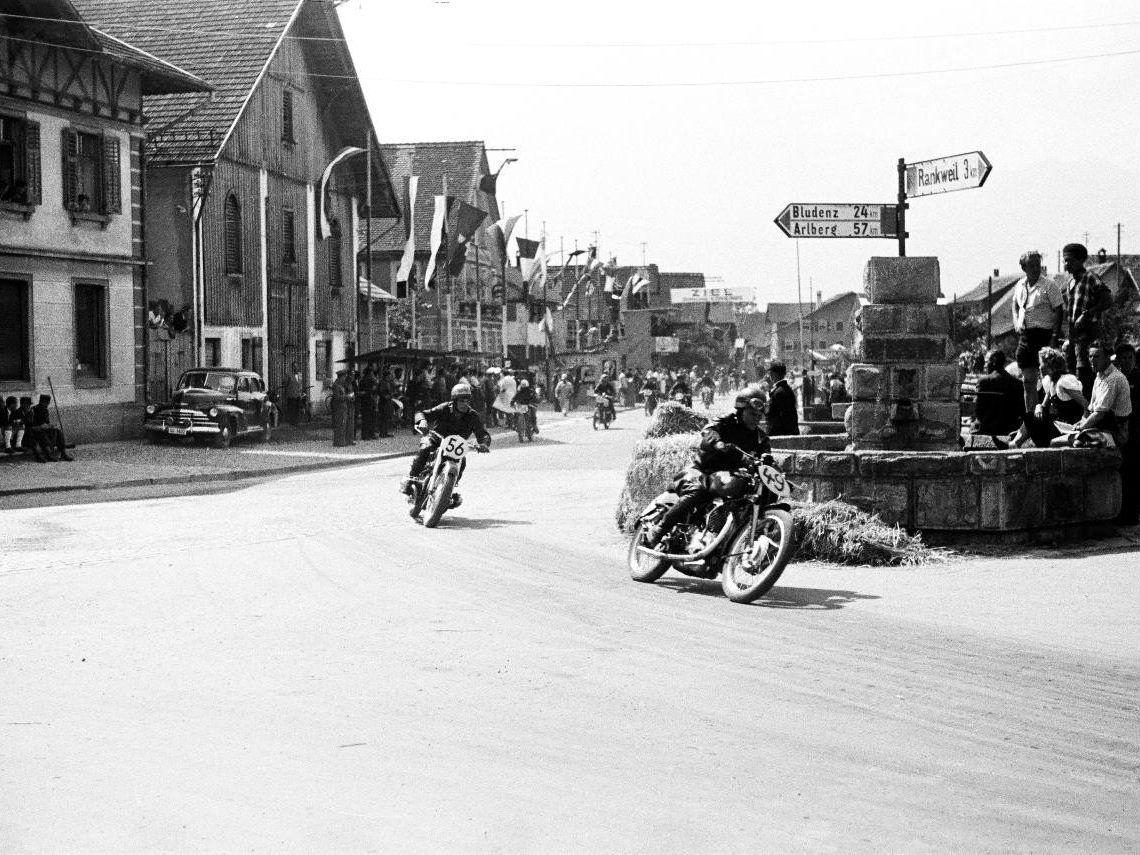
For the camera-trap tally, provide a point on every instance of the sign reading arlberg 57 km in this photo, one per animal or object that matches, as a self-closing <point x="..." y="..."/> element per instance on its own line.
<point x="837" y="220"/>
<point x="947" y="174"/>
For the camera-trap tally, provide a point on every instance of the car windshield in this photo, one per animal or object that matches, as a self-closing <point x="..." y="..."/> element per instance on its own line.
<point x="215" y="380"/>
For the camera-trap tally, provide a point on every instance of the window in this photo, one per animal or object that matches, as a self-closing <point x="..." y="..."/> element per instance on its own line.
<point x="839" y="326"/>
<point x="19" y="161"/>
<point x="91" y="173"/>
<point x="213" y="352"/>
<point x="15" y="333"/>
<point x="251" y="353"/>
<point x="288" y="237"/>
<point x="91" y="330"/>
<point x="788" y="345"/>
<point x="233" y="235"/>
<point x="336" y="279"/>
<point x="287" y="116"/>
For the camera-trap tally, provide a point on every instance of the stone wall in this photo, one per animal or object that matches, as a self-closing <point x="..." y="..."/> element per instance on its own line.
<point x="1031" y="494"/>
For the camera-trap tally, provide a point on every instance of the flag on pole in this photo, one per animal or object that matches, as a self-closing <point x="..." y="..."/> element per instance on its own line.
<point x="636" y="282"/>
<point x="408" y="260"/>
<point x="438" y="219"/>
<point x="609" y="287"/>
<point x="570" y="296"/>
<point x="527" y="248"/>
<point x="500" y="235"/>
<point x="462" y="223"/>
<point x="566" y="264"/>
<point x="616" y="288"/>
<point x="322" y="200"/>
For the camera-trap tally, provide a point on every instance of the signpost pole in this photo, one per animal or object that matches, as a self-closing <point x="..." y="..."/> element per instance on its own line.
<point x="990" y="314"/>
<point x="900" y="215"/>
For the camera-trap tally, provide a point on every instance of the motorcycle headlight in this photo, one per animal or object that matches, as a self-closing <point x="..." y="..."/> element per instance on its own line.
<point x="150" y="409"/>
<point x="213" y="412"/>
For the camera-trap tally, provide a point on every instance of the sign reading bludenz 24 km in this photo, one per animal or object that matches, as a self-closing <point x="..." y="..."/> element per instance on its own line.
<point x="947" y="174"/>
<point x="838" y="220"/>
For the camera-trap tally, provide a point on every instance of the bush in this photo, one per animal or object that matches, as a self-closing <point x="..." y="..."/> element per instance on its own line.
<point x="832" y="531"/>
<point x="672" y="418"/>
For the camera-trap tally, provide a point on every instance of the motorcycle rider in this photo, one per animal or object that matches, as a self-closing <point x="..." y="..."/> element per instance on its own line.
<point x="606" y="387"/>
<point x="721" y="444"/>
<point x="525" y="397"/>
<point x="451" y="417"/>
<point x="681" y="387"/>
<point x="707" y="382"/>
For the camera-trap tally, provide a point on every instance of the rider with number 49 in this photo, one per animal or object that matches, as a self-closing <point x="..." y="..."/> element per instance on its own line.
<point x="719" y="451"/>
<point x="456" y="416"/>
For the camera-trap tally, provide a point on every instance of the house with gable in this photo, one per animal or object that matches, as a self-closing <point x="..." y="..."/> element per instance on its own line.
<point x="253" y="193"/>
<point x="73" y="267"/>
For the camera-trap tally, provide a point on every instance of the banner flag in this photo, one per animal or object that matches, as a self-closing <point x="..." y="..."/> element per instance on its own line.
<point x="438" y="219"/>
<point x="322" y="198"/>
<point x="463" y="221"/>
<point x="409" y="258"/>
<point x="527" y="248"/>
<point x="636" y="283"/>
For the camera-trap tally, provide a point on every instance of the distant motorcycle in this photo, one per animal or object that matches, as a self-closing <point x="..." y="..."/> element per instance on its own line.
<point x="524" y="422"/>
<point x="683" y="399"/>
<point x="432" y="491"/>
<point x="707" y="396"/>
<point x="650" y="403"/>
<point x="603" y="411"/>
<point x="744" y="534"/>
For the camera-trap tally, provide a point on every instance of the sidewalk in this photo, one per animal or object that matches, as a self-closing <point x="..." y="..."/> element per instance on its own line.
<point x="137" y="463"/>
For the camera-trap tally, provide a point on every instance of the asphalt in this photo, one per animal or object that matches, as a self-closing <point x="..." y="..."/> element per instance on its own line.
<point x="137" y="463"/>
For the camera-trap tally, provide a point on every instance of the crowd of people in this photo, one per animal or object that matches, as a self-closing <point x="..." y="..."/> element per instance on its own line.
<point x="1066" y="386"/>
<point x="28" y="429"/>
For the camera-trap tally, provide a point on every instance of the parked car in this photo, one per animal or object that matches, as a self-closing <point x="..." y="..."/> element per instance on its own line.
<point x="213" y="405"/>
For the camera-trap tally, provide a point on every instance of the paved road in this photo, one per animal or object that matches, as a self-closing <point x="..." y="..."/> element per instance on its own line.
<point x="296" y="666"/>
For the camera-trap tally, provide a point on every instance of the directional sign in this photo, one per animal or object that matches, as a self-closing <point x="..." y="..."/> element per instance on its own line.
<point x="947" y="174"/>
<point x="838" y="220"/>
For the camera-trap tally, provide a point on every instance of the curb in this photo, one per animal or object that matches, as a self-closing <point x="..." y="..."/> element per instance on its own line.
<point x="215" y="477"/>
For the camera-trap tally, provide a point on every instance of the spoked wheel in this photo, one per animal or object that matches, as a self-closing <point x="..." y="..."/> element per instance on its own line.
<point x="595" y="421"/>
<point x="419" y="496"/>
<point x="751" y="568"/>
<point x="642" y="567"/>
<point x="438" y="497"/>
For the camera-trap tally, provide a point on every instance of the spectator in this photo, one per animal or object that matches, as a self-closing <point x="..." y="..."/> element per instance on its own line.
<point x="385" y="394"/>
<point x="1086" y="299"/>
<point x="507" y="388"/>
<point x="342" y="396"/>
<point x="294" y="394"/>
<point x="490" y="392"/>
<point x="1130" y="465"/>
<point x="368" y="401"/>
<point x="1110" y="408"/>
<point x="1038" y="308"/>
<point x="45" y="437"/>
<point x="563" y="392"/>
<point x="1001" y="400"/>
<point x="12" y="424"/>
<point x="783" y="419"/>
<point x="1061" y="407"/>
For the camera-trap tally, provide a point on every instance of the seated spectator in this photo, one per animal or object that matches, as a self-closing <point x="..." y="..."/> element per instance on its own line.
<point x="1001" y="399"/>
<point x="11" y="425"/>
<point x="1062" y="406"/>
<point x="1106" y="424"/>
<point x="45" y="437"/>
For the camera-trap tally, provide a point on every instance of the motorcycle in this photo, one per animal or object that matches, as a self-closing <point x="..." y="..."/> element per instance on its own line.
<point x="707" y="396"/>
<point x="603" y="411"/>
<point x="683" y="399"/>
<point x="650" y="403"/>
<point x="524" y="422"/>
<point x="432" y="491"/>
<point x="744" y="534"/>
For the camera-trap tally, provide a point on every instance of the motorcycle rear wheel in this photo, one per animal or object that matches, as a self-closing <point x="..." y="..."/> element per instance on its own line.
<point x="595" y="421"/>
<point x="439" y="497"/>
<point x="751" y="569"/>
<point x="642" y="567"/>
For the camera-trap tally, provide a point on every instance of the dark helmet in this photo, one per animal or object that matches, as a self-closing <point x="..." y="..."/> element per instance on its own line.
<point x="753" y="398"/>
<point x="460" y="390"/>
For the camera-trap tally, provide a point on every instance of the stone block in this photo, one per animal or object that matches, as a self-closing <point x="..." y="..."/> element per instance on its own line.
<point x="805" y="462"/>
<point x="1007" y="504"/>
<point x="997" y="463"/>
<point x="946" y="503"/>
<point x="1082" y="461"/>
<point x="905" y="382"/>
<point x="830" y="463"/>
<point x="906" y="464"/>
<point x="839" y="411"/>
<point x="911" y="279"/>
<point x="868" y="421"/>
<point x="916" y="348"/>
<point x="921" y="320"/>
<point x="891" y="500"/>
<point x="941" y="423"/>
<point x="1064" y="497"/>
<point x="942" y="383"/>
<point x="865" y="382"/>
<point x="1102" y="495"/>
<point x="1043" y="461"/>
<point x="785" y="460"/>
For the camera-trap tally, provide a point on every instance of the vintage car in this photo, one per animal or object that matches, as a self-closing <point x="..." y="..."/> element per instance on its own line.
<point x="213" y="405"/>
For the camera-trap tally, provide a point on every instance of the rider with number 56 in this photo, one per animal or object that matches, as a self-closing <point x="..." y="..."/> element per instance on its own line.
<point x="454" y="417"/>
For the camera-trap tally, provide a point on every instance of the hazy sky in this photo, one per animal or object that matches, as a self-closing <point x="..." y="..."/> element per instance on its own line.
<point x="688" y="126"/>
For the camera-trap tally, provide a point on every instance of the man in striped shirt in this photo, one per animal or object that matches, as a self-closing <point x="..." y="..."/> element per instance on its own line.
<point x="1086" y="300"/>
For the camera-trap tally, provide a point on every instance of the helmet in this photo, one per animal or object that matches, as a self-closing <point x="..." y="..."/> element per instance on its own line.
<point x="753" y="398"/>
<point x="523" y="384"/>
<point x="460" y="390"/>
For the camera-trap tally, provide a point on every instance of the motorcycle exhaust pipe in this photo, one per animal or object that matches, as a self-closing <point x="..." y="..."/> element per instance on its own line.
<point x="687" y="557"/>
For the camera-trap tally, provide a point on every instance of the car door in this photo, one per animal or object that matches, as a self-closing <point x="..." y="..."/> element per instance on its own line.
<point x="247" y="401"/>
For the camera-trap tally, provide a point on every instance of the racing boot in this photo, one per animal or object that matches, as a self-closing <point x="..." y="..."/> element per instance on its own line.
<point x="406" y="486"/>
<point x="456" y="501"/>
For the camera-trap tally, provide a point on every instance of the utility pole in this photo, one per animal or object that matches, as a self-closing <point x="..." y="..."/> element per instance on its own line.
<point x="1118" y="247"/>
<point x="368" y="238"/>
<point x="643" y="245"/>
<point x="446" y="266"/>
<point x="800" y="303"/>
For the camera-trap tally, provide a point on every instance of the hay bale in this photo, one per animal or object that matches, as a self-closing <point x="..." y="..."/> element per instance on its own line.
<point x="840" y="533"/>
<point x="672" y="418"/>
<point x="655" y="462"/>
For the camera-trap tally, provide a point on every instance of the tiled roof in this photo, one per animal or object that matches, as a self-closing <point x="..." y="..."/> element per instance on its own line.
<point x="781" y="313"/>
<point x="809" y="313"/>
<point x="226" y="43"/>
<point x="159" y="77"/>
<point x="979" y="292"/>
<point x="464" y="163"/>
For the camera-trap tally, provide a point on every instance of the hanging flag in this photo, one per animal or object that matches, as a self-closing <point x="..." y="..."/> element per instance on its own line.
<point x="593" y="265"/>
<point x="322" y="200"/>
<point x="616" y="288"/>
<point x="570" y="296"/>
<point x="609" y="286"/>
<point x="438" y="220"/>
<point x="407" y="262"/>
<point x="462" y="223"/>
<point x="500" y="235"/>
<point x="527" y="248"/>
<point x="636" y="282"/>
<point x="566" y="264"/>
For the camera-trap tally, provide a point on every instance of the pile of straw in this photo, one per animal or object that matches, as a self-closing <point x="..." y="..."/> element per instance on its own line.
<point x="655" y="462"/>
<point x="671" y="418"/>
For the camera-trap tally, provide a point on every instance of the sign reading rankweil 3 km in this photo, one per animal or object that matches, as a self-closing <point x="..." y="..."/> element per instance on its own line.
<point x="946" y="174"/>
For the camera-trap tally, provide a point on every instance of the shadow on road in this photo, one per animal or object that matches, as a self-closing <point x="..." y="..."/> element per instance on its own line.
<point x="778" y="598"/>
<point x="479" y="525"/>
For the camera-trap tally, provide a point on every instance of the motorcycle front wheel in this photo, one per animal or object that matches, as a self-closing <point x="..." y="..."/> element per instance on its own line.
<point x="642" y="567"/>
<point x="419" y="496"/>
<point x="752" y="567"/>
<point x="595" y="421"/>
<point x="439" y="496"/>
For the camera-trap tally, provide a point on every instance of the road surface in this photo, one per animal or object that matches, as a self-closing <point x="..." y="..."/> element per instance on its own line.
<point x="297" y="666"/>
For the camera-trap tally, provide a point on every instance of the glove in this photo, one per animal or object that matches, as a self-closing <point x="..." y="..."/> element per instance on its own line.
<point x="421" y="425"/>
<point x="483" y="448"/>
<point x="767" y="459"/>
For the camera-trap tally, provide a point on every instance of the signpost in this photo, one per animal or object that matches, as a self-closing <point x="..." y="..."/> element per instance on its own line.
<point x="837" y="220"/>
<point x="730" y="294"/>
<point x="666" y="344"/>
<point x="947" y="174"/>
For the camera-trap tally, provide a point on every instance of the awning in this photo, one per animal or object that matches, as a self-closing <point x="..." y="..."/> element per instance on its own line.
<point x="404" y="354"/>
<point x="379" y="295"/>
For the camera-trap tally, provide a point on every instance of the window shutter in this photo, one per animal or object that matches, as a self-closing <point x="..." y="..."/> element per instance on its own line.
<point x="70" y="167"/>
<point x="233" y="235"/>
<point x="112" y="176"/>
<point x="32" y="162"/>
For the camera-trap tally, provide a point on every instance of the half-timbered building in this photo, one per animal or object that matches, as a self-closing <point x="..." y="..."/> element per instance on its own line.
<point x="253" y="217"/>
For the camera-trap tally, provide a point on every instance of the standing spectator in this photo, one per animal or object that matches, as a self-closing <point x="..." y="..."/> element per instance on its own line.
<point x="440" y="391"/>
<point x="478" y="398"/>
<point x="353" y="409"/>
<point x="490" y="392"/>
<point x="507" y="389"/>
<point x="783" y="419"/>
<point x="1038" y="308"/>
<point x="1086" y="299"/>
<point x="294" y="392"/>
<point x="385" y="393"/>
<point x="623" y="387"/>
<point x="367" y="402"/>
<point x="1130" y="465"/>
<point x="342" y="396"/>
<point x="563" y="392"/>
<point x="1001" y="399"/>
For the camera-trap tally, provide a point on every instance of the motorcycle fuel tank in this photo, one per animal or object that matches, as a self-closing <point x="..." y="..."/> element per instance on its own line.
<point x="726" y="485"/>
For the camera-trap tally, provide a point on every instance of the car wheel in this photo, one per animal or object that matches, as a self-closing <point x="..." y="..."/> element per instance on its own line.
<point x="225" y="435"/>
